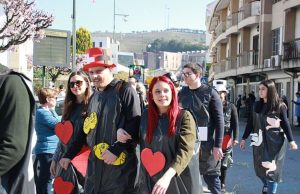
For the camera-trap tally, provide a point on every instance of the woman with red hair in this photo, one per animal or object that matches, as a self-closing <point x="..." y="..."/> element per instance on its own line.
<point x="167" y="142"/>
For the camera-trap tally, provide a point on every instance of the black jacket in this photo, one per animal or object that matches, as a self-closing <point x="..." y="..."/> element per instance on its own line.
<point x="16" y="127"/>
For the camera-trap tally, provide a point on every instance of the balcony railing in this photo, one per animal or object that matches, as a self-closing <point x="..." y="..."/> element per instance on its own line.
<point x="291" y="50"/>
<point x="247" y="58"/>
<point x="231" y="63"/>
<point x="220" y="28"/>
<point x="232" y="20"/>
<point x="249" y="9"/>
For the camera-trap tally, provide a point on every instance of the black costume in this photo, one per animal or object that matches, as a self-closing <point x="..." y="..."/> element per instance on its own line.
<point x="206" y="106"/>
<point x="230" y="134"/>
<point x="117" y="106"/>
<point x="178" y="155"/>
<point x="268" y="140"/>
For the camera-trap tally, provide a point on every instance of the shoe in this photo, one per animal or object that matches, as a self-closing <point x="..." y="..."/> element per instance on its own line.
<point x="223" y="188"/>
<point x="265" y="190"/>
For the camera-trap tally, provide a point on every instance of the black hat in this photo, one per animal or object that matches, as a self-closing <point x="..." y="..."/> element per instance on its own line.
<point x="172" y="77"/>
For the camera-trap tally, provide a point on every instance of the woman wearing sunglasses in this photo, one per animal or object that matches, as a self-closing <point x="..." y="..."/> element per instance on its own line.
<point x="75" y="107"/>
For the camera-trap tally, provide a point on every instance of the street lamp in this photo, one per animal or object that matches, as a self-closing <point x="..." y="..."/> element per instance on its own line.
<point x="117" y="14"/>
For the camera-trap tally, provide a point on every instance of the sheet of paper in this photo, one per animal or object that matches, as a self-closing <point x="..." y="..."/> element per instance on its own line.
<point x="202" y="133"/>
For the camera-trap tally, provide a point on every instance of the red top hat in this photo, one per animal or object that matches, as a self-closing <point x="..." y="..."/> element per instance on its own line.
<point x="98" y="58"/>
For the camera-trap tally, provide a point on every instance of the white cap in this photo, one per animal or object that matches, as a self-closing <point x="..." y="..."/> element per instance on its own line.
<point x="220" y="85"/>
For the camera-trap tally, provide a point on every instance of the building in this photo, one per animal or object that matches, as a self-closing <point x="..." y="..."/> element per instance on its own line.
<point x="253" y="41"/>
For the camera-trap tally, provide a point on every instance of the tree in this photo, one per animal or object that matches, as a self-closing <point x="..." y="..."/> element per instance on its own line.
<point x="83" y="40"/>
<point x="174" y="46"/>
<point x="21" y="22"/>
<point x="122" y="75"/>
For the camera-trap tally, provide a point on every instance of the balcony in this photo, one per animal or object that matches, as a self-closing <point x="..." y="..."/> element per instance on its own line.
<point x="291" y="50"/>
<point x="231" y="63"/>
<point x="247" y="59"/>
<point x="248" y="14"/>
<point x="220" y="28"/>
<point x="232" y="20"/>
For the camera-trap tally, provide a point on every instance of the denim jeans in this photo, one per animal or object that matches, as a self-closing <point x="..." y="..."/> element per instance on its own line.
<point x="213" y="183"/>
<point x="271" y="185"/>
<point x="42" y="176"/>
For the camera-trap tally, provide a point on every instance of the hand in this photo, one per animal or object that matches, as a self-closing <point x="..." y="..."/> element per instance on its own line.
<point x="218" y="153"/>
<point x="293" y="145"/>
<point x="163" y="183"/>
<point x="64" y="162"/>
<point x="53" y="168"/>
<point x="243" y="144"/>
<point x="109" y="157"/>
<point x="235" y="142"/>
<point x="122" y="135"/>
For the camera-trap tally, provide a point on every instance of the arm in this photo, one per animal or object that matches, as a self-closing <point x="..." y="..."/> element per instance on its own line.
<point x="186" y="145"/>
<point x="234" y="122"/>
<point x="46" y="117"/>
<point x="14" y="122"/>
<point x="216" y="112"/>
<point x="284" y="123"/>
<point x="132" y="112"/>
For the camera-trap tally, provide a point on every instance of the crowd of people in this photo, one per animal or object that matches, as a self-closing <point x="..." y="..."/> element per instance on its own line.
<point x="182" y="134"/>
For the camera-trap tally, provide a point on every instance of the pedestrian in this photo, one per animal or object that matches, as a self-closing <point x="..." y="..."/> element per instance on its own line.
<point x="231" y="131"/>
<point x="239" y="104"/>
<point x="16" y="121"/>
<point x="75" y="110"/>
<point x="112" y="166"/>
<point x="46" y="119"/>
<point x="205" y="104"/>
<point x="61" y="92"/>
<point x="268" y="126"/>
<point x="168" y="130"/>
<point x="297" y="108"/>
<point x="141" y="90"/>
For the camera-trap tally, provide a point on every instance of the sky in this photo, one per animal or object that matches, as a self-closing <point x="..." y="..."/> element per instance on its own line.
<point x="97" y="15"/>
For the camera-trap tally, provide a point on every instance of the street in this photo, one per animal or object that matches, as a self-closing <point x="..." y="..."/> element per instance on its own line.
<point x="241" y="178"/>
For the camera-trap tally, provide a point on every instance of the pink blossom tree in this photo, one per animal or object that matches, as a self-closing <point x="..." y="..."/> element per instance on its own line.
<point x="21" y="22"/>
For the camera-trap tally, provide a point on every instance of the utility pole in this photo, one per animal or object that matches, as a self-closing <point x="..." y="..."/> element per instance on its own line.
<point x="74" y="36"/>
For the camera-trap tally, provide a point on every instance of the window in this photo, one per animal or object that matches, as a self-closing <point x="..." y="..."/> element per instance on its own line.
<point x="93" y="44"/>
<point x="275" y="41"/>
<point x="100" y="44"/>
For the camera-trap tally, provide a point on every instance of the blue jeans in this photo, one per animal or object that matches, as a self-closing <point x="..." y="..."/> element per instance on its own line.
<point x="42" y="176"/>
<point x="213" y="183"/>
<point x="271" y="185"/>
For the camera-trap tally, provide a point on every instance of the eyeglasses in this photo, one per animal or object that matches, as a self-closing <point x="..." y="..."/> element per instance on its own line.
<point x="78" y="83"/>
<point x="187" y="74"/>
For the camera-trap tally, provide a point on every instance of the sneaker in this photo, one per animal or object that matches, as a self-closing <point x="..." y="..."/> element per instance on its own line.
<point x="265" y="190"/>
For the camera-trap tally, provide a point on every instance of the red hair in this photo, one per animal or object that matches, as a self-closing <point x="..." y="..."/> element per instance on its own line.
<point x="153" y="113"/>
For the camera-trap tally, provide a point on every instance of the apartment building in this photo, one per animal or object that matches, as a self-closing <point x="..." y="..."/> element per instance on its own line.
<point x="256" y="40"/>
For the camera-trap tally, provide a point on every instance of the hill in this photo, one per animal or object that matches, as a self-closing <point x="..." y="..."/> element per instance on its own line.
<point x="138" y="41"/>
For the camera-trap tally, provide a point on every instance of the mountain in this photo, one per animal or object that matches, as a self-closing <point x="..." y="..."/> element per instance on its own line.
<point x="138" y="41"/>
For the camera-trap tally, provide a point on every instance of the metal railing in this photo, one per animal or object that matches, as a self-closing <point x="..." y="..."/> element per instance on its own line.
<point x="232" y="20"/>
<point x="291" y="50"/>
<point x="249" y="9"/>
<point x="220" y="28"/>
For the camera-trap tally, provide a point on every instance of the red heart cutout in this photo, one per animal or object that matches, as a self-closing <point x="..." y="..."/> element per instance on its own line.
<point x="80" y="161"/>
<point x="152" y="162"/>
<point x="64" y="131"/>
<point x="62" y="187"/>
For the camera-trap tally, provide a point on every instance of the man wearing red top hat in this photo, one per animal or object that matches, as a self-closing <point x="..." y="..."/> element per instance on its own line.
<point x="112" y="165"/>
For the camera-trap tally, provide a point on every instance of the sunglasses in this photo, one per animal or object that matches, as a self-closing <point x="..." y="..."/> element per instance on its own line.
<point x="78" y="84"/>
